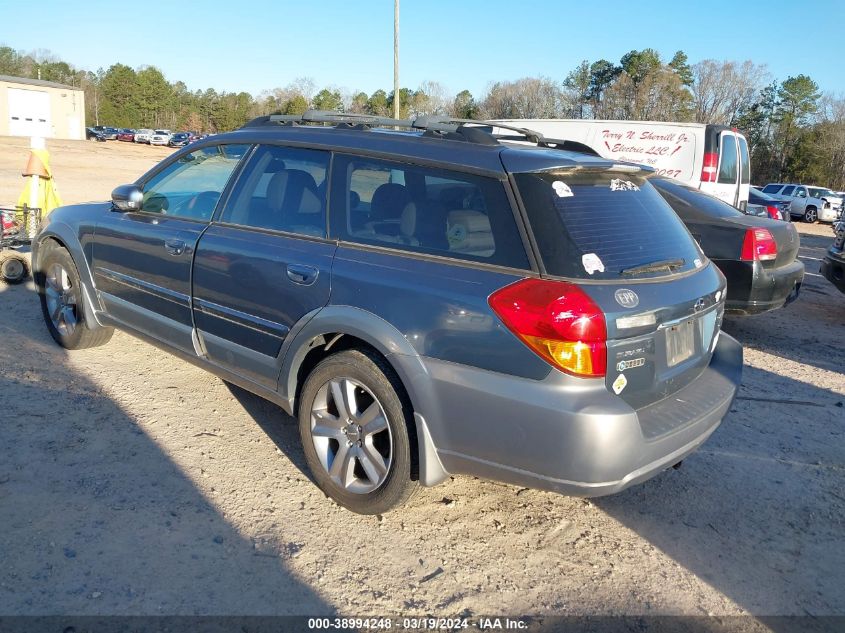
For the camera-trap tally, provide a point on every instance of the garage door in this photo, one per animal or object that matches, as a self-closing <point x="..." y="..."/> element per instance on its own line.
<point x="29" y="113"/>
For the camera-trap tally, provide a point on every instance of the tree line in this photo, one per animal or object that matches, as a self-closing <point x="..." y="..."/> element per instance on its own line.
<point x="794" y="131"/>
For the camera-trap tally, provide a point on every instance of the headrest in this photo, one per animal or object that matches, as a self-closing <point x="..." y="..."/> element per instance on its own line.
<point x="293" y="191"/>
<point x="426" y="221"/>
<point x="389" y="201"/>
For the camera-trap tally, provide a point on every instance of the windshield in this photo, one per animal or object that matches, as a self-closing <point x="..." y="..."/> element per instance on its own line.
<point x="818" y="192"/>
<point x="604" y="224"/>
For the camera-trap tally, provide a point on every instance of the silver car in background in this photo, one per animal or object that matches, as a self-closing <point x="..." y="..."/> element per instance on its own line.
<point x="160" y="137"/>
<point x="143" y="136"/>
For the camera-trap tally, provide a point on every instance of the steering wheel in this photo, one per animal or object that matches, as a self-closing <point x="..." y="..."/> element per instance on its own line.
<point x="202" y="205"/>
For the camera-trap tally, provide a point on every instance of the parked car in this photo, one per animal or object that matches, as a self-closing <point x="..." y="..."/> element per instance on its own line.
<point x="414" y="318"/>
<point x="93" y="135"/>
<point x="180" y="139"/>
<point x="809" y="203"/>
<point x="143" y="136"/>
<point x="126" y="134"/>
<point x="160" y="137"/>
<point x="109" y="133"/>
<point x="833" y="264"/>
<point x="758" y="256"/>
<point x="713" y="158"/>
<point x="764" y="205"/>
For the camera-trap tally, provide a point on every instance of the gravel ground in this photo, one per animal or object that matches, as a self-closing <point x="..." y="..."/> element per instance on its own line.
<point x="134" y="483"/>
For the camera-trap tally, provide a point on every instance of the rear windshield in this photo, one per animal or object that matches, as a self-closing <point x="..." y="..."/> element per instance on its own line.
<point x="693" y="204"/>
<point x="756" y="196"/>
<point x="602" y="224"/>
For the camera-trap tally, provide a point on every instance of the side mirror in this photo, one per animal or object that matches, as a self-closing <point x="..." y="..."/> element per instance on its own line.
<point x="127" y="198"/>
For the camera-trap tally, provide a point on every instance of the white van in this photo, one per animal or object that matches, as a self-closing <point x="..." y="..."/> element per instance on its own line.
<point x="713" y="158"/>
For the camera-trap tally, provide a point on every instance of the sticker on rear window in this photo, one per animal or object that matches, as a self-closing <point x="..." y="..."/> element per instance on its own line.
<point x="619" y="384"/>
<point x="617" y="184"/>
<point x="562" y="189"/>
<point x="592" y="263"/>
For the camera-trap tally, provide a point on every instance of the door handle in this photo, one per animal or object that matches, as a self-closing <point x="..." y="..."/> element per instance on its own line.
<point x="301" y="274"/>
<point x="174" y="247"/>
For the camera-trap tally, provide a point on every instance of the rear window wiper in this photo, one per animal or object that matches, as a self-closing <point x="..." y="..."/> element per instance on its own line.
<point x="653" y="266"/>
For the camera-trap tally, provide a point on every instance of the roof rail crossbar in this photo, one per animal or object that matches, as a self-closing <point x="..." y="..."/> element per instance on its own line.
<point x="330" y="116"/>
<point x="427" y="122"/>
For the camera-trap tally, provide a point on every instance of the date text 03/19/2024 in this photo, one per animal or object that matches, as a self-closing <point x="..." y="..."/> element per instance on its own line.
<point x="418" y="624"/>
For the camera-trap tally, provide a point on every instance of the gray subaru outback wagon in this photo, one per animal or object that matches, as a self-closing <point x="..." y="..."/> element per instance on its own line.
<point x="425" y="298"/>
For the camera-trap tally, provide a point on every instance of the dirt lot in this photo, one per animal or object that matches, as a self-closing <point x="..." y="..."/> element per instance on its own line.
<point x="133" y="483"/>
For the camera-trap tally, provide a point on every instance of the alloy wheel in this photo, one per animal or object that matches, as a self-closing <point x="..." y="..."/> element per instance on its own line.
<point x="351" y="435"/>
<point x="61" y="300"/>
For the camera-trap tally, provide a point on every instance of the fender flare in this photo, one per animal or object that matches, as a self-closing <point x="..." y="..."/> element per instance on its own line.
<point x="67" y="237"/>
<point x="392" y="344"/>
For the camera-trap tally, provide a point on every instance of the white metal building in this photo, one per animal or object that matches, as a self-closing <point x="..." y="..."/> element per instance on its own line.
<point x="31" y="107"/>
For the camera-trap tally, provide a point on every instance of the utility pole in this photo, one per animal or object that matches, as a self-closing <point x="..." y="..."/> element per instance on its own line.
<point x="395" y="59"/>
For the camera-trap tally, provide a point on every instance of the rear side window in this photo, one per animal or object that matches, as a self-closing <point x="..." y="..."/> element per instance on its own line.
<point x="787" y="191"/>
<point x="727" y="160"/>
<point x="745" y="161"/>
<point x="603" y="224"/>
<point x="424" y="209"/>
<point x="692" y="204"/>
<point x="281" y="189"/>
<point x="772" y="188"/>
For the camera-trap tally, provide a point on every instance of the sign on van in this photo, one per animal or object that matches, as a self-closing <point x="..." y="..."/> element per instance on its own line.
<point x="672" y="154"/>
<point x="673" y="150"/>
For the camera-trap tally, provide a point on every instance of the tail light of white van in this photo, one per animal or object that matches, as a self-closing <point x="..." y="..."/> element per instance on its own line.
<point x="709" y="171"/>
<point x="759" y="245"/>
<point x="558" y="321"/>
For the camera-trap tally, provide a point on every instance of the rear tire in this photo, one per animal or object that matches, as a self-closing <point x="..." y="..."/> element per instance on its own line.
<point x="357" y="432"/>
<point x="62" y="303"/>
<point x="811" y="215"/>
<point x="14" y="268"/>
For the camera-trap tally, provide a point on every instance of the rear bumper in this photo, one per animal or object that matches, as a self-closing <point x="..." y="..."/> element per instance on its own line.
<point x="753" y="289"/>
<point x="833" y="269"/>
<point x="575" y="439"/>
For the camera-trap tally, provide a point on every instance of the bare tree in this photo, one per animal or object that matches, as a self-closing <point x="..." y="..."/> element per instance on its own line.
<point x="431" y="98"/>
<point x="721" y="90"/>
<point x="527" y="98"/>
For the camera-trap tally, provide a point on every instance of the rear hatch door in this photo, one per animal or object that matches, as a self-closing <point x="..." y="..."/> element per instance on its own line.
<point x="608" y="230"/>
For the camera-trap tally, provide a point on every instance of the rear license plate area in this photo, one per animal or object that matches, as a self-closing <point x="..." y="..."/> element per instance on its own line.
<point x="680" y="342"/>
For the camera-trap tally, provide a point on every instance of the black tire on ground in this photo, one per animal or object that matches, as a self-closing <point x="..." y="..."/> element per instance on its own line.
<point x="376" y="375"/>
<point x="811" y="215"/>
<point x="79" y="336"/>
<point x="14" y="268"/>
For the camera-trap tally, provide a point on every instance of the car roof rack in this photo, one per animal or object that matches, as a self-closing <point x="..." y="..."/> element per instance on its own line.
<point x="472" y="130"/>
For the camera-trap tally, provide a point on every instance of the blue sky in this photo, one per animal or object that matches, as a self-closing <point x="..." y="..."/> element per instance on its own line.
<point x="253" y="45"/>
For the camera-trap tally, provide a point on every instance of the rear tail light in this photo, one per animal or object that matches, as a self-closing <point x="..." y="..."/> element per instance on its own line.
<point x="759" y="245"/>
<point x="711" y="166"/>
<point x="558" y="321"/>
<point x="773" y="212"/>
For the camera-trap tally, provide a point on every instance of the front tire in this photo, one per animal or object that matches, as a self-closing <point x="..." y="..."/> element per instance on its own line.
<point x="811" y="215"/>
<point x="62" y="303"/>
<point x="357" y="432"/>
<point x="14" y="268"/>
